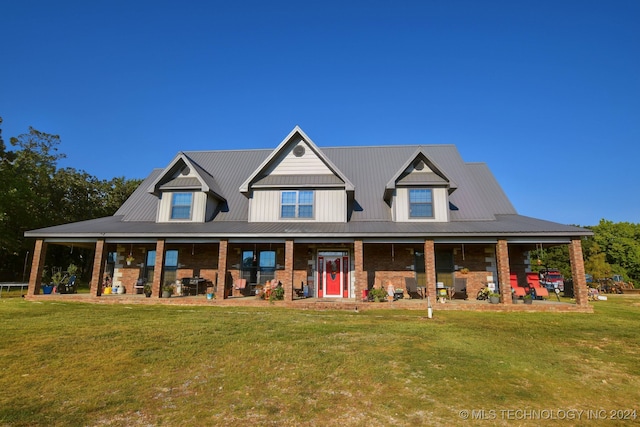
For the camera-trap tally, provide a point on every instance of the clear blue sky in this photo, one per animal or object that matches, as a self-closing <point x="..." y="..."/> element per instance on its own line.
<point x="547" y="93"/>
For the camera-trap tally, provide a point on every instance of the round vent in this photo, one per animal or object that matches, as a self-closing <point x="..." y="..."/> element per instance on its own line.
<point x="420" y="165"/>
<point x="185" y="171"/>
<point x="298" y="151"/>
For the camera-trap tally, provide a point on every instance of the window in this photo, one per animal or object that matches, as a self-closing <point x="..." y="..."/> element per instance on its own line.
<point x="420" y="203"/>
<point x="267" y="265"/>
<point x="170" y="266"/>
<point x="150" y="266"/>
<point x="296" y="204"/>
<point x="181" y="205"/>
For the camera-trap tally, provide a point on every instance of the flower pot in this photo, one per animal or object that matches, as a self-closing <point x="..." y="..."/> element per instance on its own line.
<point x="528" y="301"/>
<point x="210" y="296"/>
<point x="166" y="294"/>
<point x="47" y="289"/>
<point x="494" y="300"/>
<point x="147" y="294"/>
<point x="128" y="262"/>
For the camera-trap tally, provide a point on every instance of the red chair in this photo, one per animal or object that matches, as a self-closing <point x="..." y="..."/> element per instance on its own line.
<point x="534" y="282"/>
<point x="518" y="291"/>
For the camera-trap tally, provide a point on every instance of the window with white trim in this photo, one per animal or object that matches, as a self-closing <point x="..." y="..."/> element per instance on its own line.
<point x="296" y="204"/>
<point x="420" y="203"/>
<point x="181" y="205"/>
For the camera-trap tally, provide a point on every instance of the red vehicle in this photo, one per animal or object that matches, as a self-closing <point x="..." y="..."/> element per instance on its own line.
<point x="551" y="279"/>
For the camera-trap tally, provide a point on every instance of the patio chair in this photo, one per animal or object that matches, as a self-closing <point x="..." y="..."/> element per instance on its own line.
<point x="186" y="285"/>
<point x="139" y="285"/>
<point x="300" y="291"/>
<point x="534" y="282"/>
<point x="518" y="291"/>
<point x="241" y="286"/>
<point x="412" y="288"/>
<point x="460" y="288"/>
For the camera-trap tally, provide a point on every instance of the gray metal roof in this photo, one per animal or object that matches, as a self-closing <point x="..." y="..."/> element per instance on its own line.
<point x="182" y="183"/>
<point x="483" y="208"/>
<point x="298" y="180"/>
<point x="513" y="226"/>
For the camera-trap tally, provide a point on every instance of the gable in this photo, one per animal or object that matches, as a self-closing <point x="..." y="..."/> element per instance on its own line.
<point x="419" y="170"/>
<point x="185" y="174"/>
<point x="297" y="161"/>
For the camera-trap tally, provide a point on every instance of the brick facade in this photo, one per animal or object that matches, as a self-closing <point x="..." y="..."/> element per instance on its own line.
<point x="358" y="268"/>
<point x="502" y="260"/>
<point x="37" y="267"/>
<point x="430" y="268"/>
<point x="580" y="290"/>
<point x="221" y="288"/>
<point x="158" y="270"/>
<point x="99" y="259"/>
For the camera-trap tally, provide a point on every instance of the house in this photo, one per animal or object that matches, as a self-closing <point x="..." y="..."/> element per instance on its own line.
<point x="330" y="223"/>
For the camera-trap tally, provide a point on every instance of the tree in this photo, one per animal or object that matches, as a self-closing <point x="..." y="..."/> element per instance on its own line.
<point x="34" y="193"/>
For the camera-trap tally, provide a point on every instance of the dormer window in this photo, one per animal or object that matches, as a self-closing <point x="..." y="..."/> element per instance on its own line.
<point x="181" y="205"/>
<point x="296" y="204"/>
<point x="420" y="203"/>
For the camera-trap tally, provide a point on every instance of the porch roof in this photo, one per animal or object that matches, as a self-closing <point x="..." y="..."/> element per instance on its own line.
<point x="504" y="226"/>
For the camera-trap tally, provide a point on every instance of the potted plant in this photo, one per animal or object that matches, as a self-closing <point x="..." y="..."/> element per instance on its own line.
<point x="58" y="280"/>
<point x="464" y="270"/>
<point x="47" y="287"/>
<point x="167" y="291"/>
<point x="129" y="259"/>
<point x="528" y="299"/>
<point x="378" y="294"/>
<point x="147" y="290"/>
<point x="494" y="298"/>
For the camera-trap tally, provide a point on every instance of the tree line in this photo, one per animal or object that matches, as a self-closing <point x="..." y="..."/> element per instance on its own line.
<point x="614" y="249"/>
<point x="36" y="193"/>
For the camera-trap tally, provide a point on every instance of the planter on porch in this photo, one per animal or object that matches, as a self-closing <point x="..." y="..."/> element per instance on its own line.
<point x="167" y="291"/>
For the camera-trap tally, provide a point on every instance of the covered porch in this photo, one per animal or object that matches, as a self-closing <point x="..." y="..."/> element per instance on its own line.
<point x="326" y="270"/>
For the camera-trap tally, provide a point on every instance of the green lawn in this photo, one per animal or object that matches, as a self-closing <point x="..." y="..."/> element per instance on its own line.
<point x="112" y="365"/>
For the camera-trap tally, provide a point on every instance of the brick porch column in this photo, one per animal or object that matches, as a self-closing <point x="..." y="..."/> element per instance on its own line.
<point x="580" y="290"/>
<point x="99" y="259"/>
<point x="288" y="270"/>
<point x="502" y="258"/>
<point x="430" y="268"/>
<point x="358" y="269"/>
<point x="158" y="269"/>
<point x="222" y="269"/>
<point x="37" y="266"/>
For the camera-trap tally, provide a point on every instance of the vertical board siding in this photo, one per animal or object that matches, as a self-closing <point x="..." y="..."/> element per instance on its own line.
<point x="198" y="208"/>
<point x="440" y="206"/>
<point x="328" y="205"/>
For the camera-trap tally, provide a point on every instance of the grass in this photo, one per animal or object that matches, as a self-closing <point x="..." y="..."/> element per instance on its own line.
<point x="112" y="365"/>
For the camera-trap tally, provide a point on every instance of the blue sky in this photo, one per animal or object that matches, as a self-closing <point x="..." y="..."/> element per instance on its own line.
<point x="547" y="93"/>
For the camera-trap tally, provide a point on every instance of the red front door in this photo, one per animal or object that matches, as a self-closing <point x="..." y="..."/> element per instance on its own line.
<point x="333" y="277"/>
<point x="333" y="269"/>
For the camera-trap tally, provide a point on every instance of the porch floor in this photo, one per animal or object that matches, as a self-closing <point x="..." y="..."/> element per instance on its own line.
<point x="318" y="303"/>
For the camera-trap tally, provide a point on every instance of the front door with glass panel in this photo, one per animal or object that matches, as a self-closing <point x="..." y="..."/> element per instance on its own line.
<point x="333" y="274"/>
